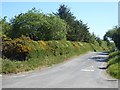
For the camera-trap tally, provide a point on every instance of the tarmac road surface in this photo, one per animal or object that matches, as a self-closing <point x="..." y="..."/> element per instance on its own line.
<point x="85" y="71"/>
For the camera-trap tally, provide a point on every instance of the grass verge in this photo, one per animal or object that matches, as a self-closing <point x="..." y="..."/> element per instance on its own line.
<point x="114" y="64"/>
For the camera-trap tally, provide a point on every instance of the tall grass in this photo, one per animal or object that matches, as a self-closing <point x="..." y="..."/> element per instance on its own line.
<point x="114" y="64"/>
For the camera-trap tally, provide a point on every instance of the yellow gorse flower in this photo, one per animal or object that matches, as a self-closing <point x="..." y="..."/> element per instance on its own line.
<point x="23" y="48"/>
<point x="43" y="43"/>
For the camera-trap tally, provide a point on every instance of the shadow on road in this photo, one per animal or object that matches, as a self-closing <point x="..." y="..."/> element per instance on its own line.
<point x="101" y="57"/>
<point x="104" y="53"/>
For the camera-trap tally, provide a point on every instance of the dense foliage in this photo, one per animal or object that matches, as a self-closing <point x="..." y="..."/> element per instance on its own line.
<point x="4" y="26"/>
<point x="113" y="34"/>
<point x="38" y="26"/>
<point x="114" y="56"/>
<point x="113" y="64"/>
<point x="76" y="29"/>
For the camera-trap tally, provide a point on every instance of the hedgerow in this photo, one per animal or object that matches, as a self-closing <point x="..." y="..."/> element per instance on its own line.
<point x="23" y="54"/>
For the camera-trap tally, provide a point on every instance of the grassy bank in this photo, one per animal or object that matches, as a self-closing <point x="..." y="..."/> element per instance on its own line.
<point x="114" y="64"/>
<point x="24" y="54"/>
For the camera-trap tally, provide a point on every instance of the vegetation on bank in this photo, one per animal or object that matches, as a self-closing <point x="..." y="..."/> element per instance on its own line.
<point x="114" y="35"/>
<point x="24" y="54"/>
<point x="114" y="57"/>
<point x="113" y="64"/>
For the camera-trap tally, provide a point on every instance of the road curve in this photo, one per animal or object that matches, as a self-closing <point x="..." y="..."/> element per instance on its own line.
<point x="80" y="72"/>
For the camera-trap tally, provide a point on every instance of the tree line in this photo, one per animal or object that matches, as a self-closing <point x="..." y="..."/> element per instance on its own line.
<point x="114" y="35"/>
<point x="61" y="25"/>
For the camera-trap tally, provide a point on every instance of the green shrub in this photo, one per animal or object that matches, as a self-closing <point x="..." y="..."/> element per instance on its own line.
<point x="113" y="54"/>
<point x="114" y="60"/>
<point x="114" y="70"/>
<point x="113" y="64"/>
<point x="38" y="26"/>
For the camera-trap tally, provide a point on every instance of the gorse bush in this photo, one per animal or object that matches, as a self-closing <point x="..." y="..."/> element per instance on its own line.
<point x="5" y="38"/>
<point x="16" y="49"/>
<point x="23" y="48"/>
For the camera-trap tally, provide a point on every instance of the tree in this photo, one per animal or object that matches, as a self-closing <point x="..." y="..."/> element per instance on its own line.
<point x="114" y="34"/>
<point x="64" y="13"/>
<point x="38" y="26"/>
<point x="99" y="41"/>
<point x="5" y="26"/>
<point x="76" y="29"/>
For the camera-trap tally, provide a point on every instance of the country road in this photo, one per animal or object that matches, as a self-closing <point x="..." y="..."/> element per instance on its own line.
<point x="79" y="72"/>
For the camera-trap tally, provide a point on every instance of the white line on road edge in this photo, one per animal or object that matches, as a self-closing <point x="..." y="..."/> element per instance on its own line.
<point x="19" y="76"/>
<point x="87" y="70"/>
<point x="0" y="75"/>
